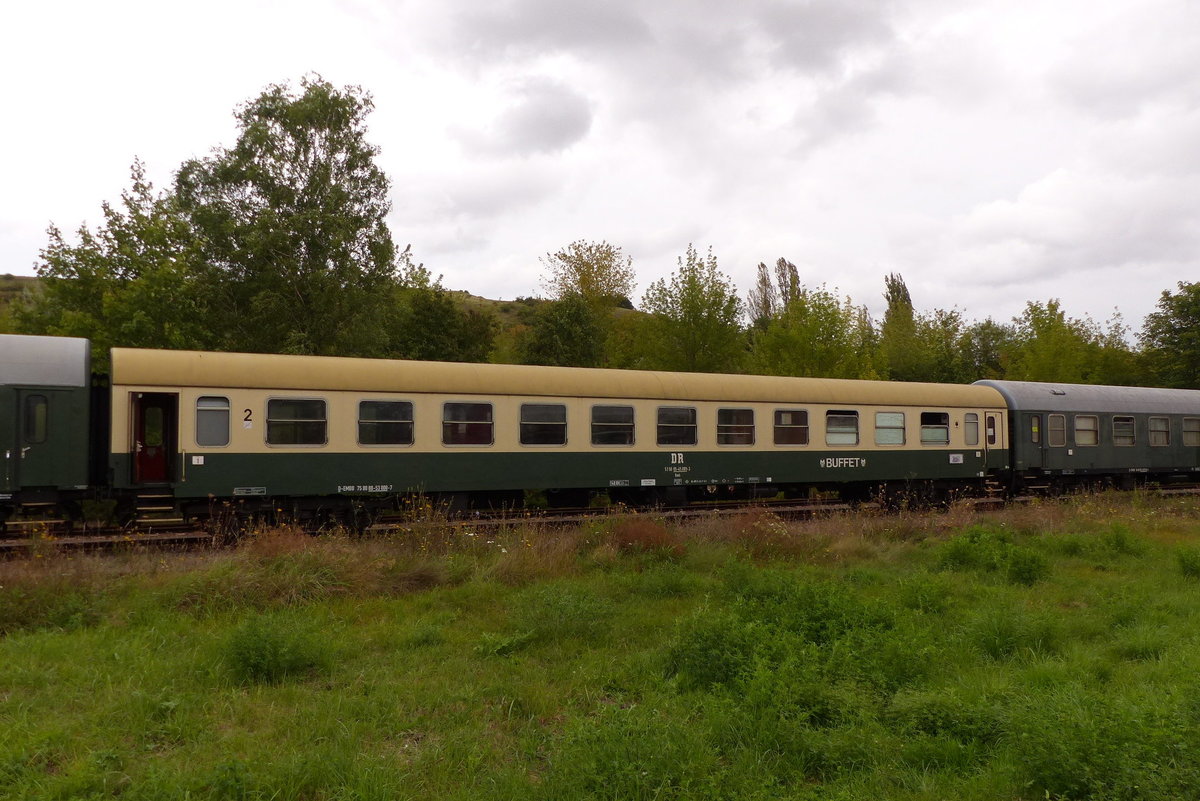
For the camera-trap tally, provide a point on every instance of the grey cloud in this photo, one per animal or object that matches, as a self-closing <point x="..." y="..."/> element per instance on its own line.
<point x="497" y="192"/>
<point x="834" y="114"/>
<point x="1162" y="144"/>
<point x="545" y="117"/>
<point x="538" y="25"/>
<point x="1115" y="91"/>
<point x="682" y="40"/>
<point x="815" y="35"/>
<point x="1072" y="224"/>
<point x="676" y="67"/>
<point x="1132" y="61"/>
<point x="848" y="107"/>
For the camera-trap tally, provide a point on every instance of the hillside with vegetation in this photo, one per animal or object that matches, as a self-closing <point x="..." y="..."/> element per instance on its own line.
<point x="12" y="288"/>
<point x="1048" y="651"/>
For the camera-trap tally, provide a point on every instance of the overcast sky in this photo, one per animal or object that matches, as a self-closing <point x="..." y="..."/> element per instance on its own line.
<point x="991" y="152"/>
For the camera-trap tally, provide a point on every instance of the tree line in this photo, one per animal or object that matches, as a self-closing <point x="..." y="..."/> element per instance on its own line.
<point x="280" y="244"/>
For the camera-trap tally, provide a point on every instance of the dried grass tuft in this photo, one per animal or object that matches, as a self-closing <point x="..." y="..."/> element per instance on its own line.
<point x="639" y="535"/>
<point x="533" y="554"/>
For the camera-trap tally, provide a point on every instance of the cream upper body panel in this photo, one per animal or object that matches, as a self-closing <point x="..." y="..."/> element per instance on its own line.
<point x="156" y="370"/>
<point x="248" y="418"/>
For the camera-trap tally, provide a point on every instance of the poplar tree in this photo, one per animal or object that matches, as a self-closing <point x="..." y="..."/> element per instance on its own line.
<point x="806" y="332"/>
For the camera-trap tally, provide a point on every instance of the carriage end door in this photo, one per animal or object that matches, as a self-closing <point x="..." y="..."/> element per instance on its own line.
<point x="1034" y="442"/>
<point x="154" y="437"/>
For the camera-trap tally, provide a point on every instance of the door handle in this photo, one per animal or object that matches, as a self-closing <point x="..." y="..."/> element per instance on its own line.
<point x="24" y="451"/>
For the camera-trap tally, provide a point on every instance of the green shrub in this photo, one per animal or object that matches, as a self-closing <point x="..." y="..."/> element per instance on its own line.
<point x="946" y="713"/>
<point x="504" y="644"/>
<point x="1120" y="540"/>
<point x="816" y="611"/>
<point x="978" y="547"/>
<point x="268" y="649"/>
<point x="1025" y="567"/>
<point x="926" y="593"/>
<point x="665" y="581"/>
<point x="713" y="649"/>
<point x="886" y="658"/>
<point x="1141" y="644"/>
<point x="931" y="752"/>
<point x="1071" y="544"/>
<point x="1188" y="560"/>
<point x="46" y="604"/>
<point x="844" y="751"/>
<point x="987" y="550"/>
<point x="231" y="780"/>
<point x="1007" y="633"/>
<point x="1082" y="744"/>
<point x="423" y="635"/>
<point x="557" y="611"/>
<point x="633" y="754"/>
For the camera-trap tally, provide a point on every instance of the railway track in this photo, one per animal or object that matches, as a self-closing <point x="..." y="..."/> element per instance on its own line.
<point x="32" y="535"/>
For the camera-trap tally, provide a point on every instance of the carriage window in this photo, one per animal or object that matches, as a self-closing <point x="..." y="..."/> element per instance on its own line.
<point x="37" y="410"/>
<point x="212" y="421"/>
<point x="971" y="428"/>
<point x="1035" y="428"/>
<point x="385" y="423"/>
<point x="1056" y="430"/>
<point x="1123" y="431"/>
<point x="935" y="428"/>
<point x="841" y="428"/>
<point x="889" y="428"/>
<point x="791" y="427"/>
<point x="543" y="424"/>
<point x="296" y="421"/>
<point x="735" y="426"/>
<point x="1191" y="432"/>
<point x="992" y="435"/>
<point x="1087" y="429"/>
<point x="612" y="425"/>
<point x="467" y="424"/>
<point x="1160" y="432"/>
<point x="676" y="425"/>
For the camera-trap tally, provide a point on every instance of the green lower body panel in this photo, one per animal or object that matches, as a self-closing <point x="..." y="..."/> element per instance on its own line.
<point x="293" y="473"/>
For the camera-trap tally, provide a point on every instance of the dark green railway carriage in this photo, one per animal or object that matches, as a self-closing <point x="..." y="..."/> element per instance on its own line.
<point x="204" y="426"/>
<point x="1068" y="434"/>
<point x="44" y="411"/>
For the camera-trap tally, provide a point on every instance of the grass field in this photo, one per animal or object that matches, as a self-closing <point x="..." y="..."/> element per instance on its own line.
<point x="1048" y="651"/>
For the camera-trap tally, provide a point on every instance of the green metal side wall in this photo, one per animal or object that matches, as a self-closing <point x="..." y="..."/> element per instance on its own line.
<point x="300" y="473"/>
